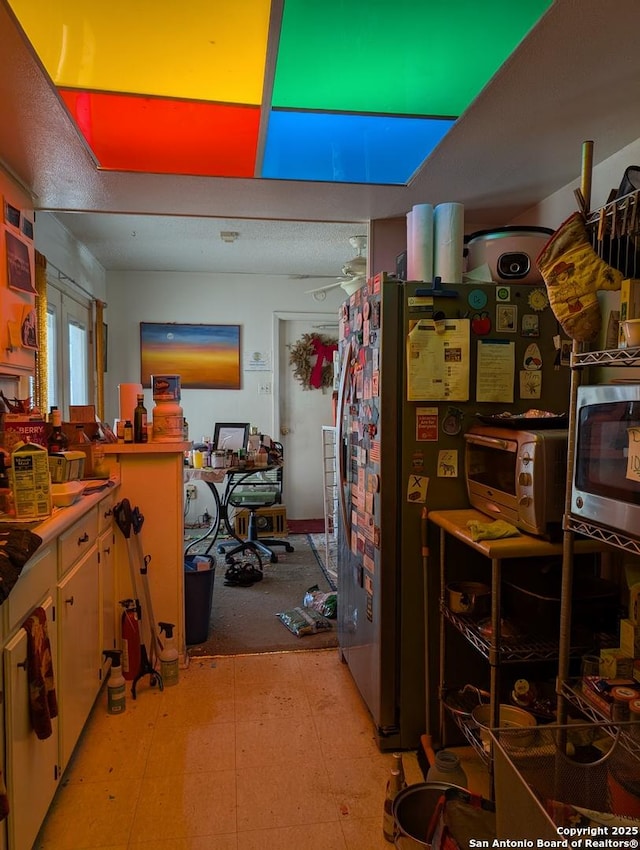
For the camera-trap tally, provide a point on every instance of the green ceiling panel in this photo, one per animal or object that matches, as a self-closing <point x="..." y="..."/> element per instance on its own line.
<point x="409" y="57"/>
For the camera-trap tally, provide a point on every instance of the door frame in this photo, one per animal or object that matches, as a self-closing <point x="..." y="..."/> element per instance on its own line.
<point x="280" y="316"/>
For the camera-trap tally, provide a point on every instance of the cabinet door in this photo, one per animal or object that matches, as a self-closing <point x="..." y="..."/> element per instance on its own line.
<point x="79" y="650"/>
<point x="31" y="764"/>
<point x="108" y="622"/>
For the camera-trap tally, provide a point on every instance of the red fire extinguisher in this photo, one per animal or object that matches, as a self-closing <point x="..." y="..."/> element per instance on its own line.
<point x="131" y="659"/>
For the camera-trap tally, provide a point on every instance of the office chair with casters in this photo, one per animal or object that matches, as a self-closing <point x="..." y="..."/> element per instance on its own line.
<point x="252" y="490"/>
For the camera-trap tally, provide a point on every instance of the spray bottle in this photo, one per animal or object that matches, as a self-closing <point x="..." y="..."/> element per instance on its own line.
<point x="131" y="659"/>
<point x="116" y="685"/>
<point x="169" y="664"/>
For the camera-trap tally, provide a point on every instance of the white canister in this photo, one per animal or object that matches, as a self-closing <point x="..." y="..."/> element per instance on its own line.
<point x="217" y="460"/>
<point x="168" y="422"/>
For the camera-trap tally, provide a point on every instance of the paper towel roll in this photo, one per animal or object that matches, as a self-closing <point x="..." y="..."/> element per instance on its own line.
<point x="127" y="396"/>
<point x="448" y="249"/>
<point x="410" y="249"/>
<point x="421" y="241"/>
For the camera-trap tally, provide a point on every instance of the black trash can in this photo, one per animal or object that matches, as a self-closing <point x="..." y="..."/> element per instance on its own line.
<point x="198" y="596"/>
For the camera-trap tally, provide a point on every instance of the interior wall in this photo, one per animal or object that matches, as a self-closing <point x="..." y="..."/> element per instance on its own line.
<point x="198" y="298"/>
<point x="16" y="362"/>
<point x="68" y="258"/>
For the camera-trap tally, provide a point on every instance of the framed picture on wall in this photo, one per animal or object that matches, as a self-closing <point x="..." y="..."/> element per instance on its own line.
<point x="205" y="356"/>
<point x="29" y="328"/>
<point x="20" y="267"/>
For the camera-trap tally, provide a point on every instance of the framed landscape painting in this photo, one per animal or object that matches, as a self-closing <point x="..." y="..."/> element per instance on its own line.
<point x="206" y="357"/>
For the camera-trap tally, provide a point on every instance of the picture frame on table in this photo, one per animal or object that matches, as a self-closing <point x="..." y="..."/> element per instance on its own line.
<point x="230" y="435"/>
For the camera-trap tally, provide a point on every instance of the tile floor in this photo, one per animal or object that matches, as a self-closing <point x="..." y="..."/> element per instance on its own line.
<point x="245" y="753"/>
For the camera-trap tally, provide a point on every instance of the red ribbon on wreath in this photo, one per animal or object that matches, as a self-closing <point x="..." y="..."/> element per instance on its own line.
<point x="324" y="354"/>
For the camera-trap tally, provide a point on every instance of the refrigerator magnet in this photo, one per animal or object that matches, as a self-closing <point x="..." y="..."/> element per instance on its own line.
<point x="448" y="463"/>
<point x="530" y="384"/>
<point x="530" y="324"/>
<point x="506" y="318"/>
<point x="532" y="360"/>
<point x="417" y="488"/>
<point x="452" y="422"/>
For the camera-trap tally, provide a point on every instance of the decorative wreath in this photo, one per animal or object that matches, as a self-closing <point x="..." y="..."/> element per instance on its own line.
<point x="312" y="360"/>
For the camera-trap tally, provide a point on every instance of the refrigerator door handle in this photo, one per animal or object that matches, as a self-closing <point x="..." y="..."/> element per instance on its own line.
<point x="342" y="475"/>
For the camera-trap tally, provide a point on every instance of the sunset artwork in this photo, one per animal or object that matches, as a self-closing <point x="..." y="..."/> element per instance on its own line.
<point x="205" y="356"/>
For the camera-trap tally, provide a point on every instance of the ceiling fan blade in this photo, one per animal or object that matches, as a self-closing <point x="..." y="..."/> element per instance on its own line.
<point x="324" y="288"/>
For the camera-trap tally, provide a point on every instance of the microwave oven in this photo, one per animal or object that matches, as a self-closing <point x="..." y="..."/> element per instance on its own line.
<point x="518" y="476"/>
<point x="605" y="485"/>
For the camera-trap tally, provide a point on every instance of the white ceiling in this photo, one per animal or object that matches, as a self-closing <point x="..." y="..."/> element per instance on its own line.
<point x="575" y="77"/>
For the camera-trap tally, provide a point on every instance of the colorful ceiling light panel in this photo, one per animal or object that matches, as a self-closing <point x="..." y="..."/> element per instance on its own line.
<point x="331" y="90"/>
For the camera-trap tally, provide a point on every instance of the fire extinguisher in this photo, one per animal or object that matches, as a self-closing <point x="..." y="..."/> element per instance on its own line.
<point x="131" y="658"/>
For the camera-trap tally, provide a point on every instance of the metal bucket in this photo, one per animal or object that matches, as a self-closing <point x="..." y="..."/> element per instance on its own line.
<point x="413" y="809"/>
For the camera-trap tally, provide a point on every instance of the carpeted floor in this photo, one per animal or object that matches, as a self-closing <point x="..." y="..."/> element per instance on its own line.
<point x="244" y="619"/>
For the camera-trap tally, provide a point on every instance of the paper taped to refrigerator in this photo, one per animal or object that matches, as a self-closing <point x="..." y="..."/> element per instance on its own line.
<point x="438" y="360"/>
<point x="495" y="370"/>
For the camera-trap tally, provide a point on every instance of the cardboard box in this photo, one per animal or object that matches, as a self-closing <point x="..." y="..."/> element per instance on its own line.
<point x="30" y="481"/>
<point x="94" y="465"/>
<point x="630" y="638"/>
<point x="23" y="428"/>
<point x="615" y="663"/>
<point x="634" y="603"/>
<point x="66" y="466"/>
<point x="629" y="305"/>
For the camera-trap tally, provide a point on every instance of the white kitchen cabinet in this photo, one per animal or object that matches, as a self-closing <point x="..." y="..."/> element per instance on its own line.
<point x="31" y="764"/>
<point x="109" y="635"/>
<point x="79" y="648"/>
<point x="73" y="572"/>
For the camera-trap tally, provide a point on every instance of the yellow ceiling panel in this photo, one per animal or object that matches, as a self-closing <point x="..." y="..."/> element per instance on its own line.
<point x="198" y="50"/>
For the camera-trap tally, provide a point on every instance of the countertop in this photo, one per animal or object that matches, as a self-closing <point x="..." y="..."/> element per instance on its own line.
<point x="63" y="518"/>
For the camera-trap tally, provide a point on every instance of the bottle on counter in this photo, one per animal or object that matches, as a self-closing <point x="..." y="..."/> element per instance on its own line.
<point x="80" y="435"/>
<point x="262" y="456"/>
<point x="128" y="431"/>
<point x="57" y="441"/>
<point x="140" y="434"/>
<point x="393" y="789"/>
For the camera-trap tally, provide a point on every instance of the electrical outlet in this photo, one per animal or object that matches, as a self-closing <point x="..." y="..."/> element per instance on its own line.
<point x="192" y="491"/>
<point x="264" y="388"/>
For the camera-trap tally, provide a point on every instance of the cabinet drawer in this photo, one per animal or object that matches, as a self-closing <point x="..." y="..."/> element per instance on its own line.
<point x="105" y="512"/>
<point x="78" y="539"/>
<point x="37" y="577"/>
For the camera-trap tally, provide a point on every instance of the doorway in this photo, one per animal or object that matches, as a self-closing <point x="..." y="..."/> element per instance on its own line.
<point x="299" y="415"/>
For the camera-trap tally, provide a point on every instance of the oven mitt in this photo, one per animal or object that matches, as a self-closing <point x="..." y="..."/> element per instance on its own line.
<point x="573" y="274"/>
<point x="491" y="530"/>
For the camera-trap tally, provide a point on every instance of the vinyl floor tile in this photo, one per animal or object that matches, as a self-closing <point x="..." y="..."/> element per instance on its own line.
<point x="290" y="794"/>
<point x="261" y="752"/>
<point x="274" y="741"/>
<point x="192" y="749"/>
<point x="189" y="804"/>
<point x="310" y="836"/>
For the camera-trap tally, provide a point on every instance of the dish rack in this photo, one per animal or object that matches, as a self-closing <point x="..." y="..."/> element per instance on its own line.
<point x="570" y="774"/>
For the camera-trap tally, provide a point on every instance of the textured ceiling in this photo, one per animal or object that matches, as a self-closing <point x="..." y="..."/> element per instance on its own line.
<point x="575" y="77"/>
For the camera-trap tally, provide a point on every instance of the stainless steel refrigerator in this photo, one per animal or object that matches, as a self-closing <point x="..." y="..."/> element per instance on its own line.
<point x="400" y="451"/>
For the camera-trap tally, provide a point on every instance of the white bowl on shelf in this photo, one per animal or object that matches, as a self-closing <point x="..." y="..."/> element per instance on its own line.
<point x="631" y="331"/>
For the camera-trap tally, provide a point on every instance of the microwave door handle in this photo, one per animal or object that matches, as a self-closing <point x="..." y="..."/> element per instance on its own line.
<point x="491" y="442"/>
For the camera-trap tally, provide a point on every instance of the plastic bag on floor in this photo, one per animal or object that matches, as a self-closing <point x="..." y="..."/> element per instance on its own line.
<point x="304" y="621"/>
<point x="318" y="600"/>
